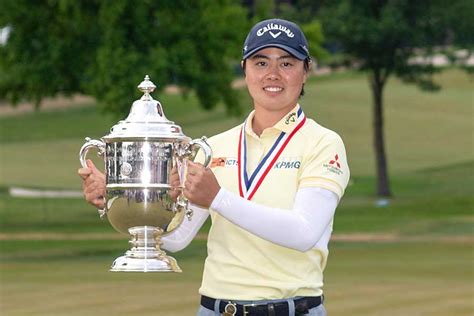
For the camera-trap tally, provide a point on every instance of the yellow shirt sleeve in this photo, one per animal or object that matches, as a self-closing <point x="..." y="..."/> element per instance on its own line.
<point x="326" y="166"/>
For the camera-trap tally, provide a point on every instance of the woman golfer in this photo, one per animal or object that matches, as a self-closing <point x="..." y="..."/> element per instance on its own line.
<point x="271" y="192"/>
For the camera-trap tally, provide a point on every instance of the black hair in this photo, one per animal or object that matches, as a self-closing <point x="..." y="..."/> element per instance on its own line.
<point x="306" y="65"/>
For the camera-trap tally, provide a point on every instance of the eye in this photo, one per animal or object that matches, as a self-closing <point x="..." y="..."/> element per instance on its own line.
<point x="287" y="64"/>
<point x="260" y="63"/>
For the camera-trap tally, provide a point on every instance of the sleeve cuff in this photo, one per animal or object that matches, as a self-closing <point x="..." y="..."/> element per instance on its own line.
<point x="323" y="183"/>
<point x="218" y="199"/>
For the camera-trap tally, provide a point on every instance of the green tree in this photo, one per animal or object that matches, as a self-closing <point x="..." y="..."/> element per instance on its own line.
<point x="104" y="48"/>
<point x="384" y="36"/>
<point x="189" y="43"/>
<point x="50" y="44"/>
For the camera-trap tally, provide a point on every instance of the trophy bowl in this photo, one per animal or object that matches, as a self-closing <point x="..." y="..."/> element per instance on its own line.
<point x="139" y="154"/>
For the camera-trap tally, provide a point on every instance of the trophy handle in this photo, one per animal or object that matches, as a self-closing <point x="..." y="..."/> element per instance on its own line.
<point x="202" y="143"/>
<point x="204" y="146"/>
<point x="90" y="143"/>
<point x="100" y="145"/>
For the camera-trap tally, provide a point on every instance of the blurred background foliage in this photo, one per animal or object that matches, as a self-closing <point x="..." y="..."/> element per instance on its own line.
<point x="103" y="48"/>
<point x="396" y="38"/>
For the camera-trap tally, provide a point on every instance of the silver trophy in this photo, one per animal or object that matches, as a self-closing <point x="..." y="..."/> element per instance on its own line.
<point x="139" y="154"/>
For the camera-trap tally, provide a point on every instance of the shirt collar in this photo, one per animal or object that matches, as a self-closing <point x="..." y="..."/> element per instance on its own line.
<point x="286" y="124"/>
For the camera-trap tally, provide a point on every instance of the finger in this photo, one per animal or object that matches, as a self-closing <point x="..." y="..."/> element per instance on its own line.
<point x="187" y="194"/>
<point x="193" y="164"/>
<point x="91" y="165"/>
<point x="188" y="185"/>
<point x="94" y="198"/>
<point x="175" y="184"/>
<point x="91" y="187"/>
<point x="99" y="199"/>
<point x="174" y="175"/>
<point x="99" y="202"/>
<point x="92" y="182"/>
<point x="95" y="178"/>
<point x="195" y="169"/>
<point x="191" y="169"/>
<point x="84" y="173"/>
<point x="94" y="188"/>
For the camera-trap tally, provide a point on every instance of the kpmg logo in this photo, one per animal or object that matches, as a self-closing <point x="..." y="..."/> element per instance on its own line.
<point x="275" y="30"/>
<point x="288" y="163"/>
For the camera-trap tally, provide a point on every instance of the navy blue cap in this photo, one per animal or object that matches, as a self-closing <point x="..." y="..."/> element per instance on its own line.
<point x="276" y="33"/>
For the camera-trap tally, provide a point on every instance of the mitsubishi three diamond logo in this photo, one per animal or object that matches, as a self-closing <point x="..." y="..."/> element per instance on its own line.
<point x="334" y="166"/>
<point x="335" y="161"/>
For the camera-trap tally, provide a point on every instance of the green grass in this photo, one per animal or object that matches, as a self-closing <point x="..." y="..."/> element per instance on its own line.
<point x="400" y="279"/>
<point x="426" y="202"/>
<point x="75" y="281"/>
<point x="55" y="253"/>
<point x="362" y="279"/>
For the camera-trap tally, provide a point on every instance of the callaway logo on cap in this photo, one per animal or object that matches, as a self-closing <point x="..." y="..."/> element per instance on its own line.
<point x="276" y="33"/>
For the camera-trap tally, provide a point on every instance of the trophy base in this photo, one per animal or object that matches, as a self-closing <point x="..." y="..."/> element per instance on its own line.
<point x="129" y="264"/>
<point x="145" y="255"/>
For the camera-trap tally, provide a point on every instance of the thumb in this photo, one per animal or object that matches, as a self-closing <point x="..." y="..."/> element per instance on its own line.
<point x="193" y="164"/>
<point x="91" y="165"/>
<point x="84" y="173"/>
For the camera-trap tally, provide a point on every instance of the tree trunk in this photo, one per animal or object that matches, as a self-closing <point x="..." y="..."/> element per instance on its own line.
<point x="377" y="85"/>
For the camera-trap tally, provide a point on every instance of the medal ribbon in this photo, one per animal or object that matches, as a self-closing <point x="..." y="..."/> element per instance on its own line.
<point x="248" y="186"/>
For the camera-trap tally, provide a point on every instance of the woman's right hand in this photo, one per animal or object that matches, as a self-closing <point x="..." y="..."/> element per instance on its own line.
<point x="93" y="184"/>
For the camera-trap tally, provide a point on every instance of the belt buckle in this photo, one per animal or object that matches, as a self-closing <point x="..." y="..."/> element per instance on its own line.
<point x="230" y="309"/>
<point x="245" y="306"/>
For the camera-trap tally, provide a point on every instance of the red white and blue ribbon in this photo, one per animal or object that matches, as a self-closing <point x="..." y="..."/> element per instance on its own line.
<point x="249" y="185"/>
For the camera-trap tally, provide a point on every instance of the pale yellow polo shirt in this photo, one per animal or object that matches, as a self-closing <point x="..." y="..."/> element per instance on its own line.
<point x="242" y="266"/>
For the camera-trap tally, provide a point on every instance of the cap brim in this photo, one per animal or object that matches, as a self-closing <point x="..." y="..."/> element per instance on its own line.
<point x="290" y="50"/>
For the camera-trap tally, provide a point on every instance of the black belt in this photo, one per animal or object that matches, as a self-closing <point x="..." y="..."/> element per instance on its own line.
<point x="302" y="305"/>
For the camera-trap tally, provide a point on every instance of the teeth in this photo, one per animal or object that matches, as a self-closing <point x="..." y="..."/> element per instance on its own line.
<point x="273" y="89"/>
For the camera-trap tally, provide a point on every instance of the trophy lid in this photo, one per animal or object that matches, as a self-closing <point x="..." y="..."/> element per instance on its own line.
<point x="146" y="119"/>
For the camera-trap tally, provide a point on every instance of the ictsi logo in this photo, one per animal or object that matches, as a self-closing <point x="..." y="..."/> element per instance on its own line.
<point x="223" y="162"/>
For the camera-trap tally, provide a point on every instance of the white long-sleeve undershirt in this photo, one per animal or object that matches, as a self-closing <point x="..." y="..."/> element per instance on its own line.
<point x="182" y="236"/>
<point x="299" y="228"/>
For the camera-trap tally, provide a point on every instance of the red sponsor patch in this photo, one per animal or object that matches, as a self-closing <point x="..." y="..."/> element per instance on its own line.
<point x="218" y="162"/>
<point x="335" y="161"/>
<point x="334" y="166"/>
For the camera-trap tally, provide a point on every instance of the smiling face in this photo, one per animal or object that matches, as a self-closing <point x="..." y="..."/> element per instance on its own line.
<point x="274" y="80"/>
